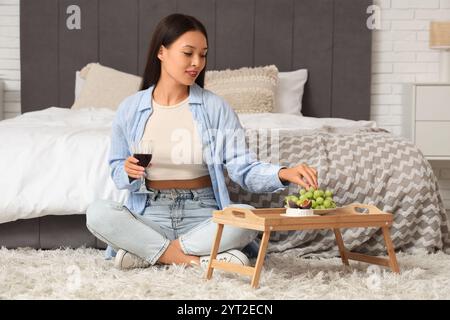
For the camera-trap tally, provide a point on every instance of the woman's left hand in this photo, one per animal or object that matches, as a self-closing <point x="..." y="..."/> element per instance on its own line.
<point x="302" y="174"/>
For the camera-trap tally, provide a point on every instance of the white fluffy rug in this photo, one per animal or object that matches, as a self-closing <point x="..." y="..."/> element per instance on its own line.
<point x="84" y="274"/>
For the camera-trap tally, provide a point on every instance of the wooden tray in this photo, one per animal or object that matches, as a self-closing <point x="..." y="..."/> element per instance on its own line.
<point x="355" y="215"/>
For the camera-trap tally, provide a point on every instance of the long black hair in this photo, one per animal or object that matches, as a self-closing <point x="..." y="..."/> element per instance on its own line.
<point x="168" y="30"/>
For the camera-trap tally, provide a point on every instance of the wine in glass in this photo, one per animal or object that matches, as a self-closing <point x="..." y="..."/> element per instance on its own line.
<point x="142" y="151"/>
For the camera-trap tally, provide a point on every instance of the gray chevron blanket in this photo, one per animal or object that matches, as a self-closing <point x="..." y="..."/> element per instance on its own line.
<point x="365" y="165"/>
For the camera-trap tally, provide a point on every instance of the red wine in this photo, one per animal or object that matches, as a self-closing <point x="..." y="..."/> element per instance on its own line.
<point x="144" y="159"/>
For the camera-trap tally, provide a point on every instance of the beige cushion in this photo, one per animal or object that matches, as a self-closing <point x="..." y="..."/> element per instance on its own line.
<point x="247" y="90"/>
<point x="105" y="87"/>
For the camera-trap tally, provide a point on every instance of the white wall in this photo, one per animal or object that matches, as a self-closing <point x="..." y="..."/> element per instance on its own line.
<point x="400" y="54"/>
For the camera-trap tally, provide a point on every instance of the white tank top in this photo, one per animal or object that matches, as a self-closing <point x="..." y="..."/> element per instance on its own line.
<point x="177" y="146"/>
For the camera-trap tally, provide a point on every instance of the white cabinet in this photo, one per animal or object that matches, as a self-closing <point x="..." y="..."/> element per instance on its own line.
<point x="427" y="118"/>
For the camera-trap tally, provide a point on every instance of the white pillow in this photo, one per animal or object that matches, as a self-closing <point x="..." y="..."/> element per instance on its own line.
<point x="289" y="92"/>
<point x="105" y="87"/>
<point x="80" y="78"/>
<point x="247" y="90"/>
<point x="79" y="82"/>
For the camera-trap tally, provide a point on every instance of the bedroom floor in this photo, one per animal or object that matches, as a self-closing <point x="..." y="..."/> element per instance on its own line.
<point x="84" y="274"/>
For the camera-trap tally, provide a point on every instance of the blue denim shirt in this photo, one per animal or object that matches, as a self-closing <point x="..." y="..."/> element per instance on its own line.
<point x="219" y="128"/>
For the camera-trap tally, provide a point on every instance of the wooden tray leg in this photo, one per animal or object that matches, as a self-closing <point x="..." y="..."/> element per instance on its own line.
<point x="260" y="259"/>
<point x="390" y="250"/>
<point x="214" y="250"/>
<point x="340" y="243"/>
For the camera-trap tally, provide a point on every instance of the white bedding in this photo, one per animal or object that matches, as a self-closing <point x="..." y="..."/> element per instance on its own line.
<point x="54" y="161"/>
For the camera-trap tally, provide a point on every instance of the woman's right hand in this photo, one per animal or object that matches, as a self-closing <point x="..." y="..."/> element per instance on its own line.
<point x="132" y="169"/>
<point x="302" y="175"/>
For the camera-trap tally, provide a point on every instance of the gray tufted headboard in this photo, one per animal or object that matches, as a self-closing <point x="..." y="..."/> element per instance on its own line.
<point x="327" y="37"/>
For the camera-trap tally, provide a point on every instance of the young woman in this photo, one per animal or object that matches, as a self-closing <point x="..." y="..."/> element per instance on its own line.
<point x="172" y="222"/>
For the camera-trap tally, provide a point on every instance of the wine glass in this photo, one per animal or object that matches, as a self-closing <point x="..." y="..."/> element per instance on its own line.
<point x="142" y="150"/>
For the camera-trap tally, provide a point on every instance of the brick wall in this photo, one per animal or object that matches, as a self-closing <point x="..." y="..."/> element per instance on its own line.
<point x="400" y="55"/>
<point x="10" y="56"/>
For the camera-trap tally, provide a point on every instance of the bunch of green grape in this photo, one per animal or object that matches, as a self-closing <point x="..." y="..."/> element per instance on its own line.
<point x="311" y="198"/>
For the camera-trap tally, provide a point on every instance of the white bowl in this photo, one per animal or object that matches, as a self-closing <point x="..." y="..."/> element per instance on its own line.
<point x="294" y="212"/>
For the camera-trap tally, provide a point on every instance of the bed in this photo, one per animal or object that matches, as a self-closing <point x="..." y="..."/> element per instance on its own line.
<point x="328" y="38"/>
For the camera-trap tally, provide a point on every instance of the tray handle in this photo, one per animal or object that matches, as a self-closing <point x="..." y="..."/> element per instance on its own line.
<point x="239" y="213"/>
<point x="371" y="208"/>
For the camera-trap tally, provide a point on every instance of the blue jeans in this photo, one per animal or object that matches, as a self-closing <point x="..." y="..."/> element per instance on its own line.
<point x="171" y="214"/>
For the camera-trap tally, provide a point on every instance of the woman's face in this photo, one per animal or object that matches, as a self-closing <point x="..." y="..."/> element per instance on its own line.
<point x="185" y="58"/>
